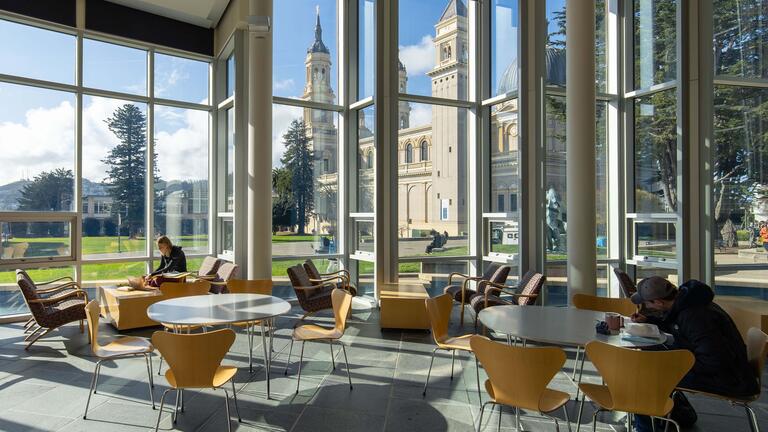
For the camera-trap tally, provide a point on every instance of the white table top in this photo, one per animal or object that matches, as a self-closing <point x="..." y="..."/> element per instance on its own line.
<point x="551" y="324"/>
<point x="217" y="309"/>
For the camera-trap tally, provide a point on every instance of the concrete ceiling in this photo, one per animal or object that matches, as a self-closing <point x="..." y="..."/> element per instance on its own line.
<point x="204" y="13"/>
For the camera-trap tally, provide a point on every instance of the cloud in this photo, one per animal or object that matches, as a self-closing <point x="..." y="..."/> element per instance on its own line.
<point x="45" y="140"/>
<point x="419" y="58"/>
<point x="285" y="85"/>
<point x="282" y="115"/>
<point x="420" y="115"/>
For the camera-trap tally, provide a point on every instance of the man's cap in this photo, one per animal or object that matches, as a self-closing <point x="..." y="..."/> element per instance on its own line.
<point x="652" y="288"/>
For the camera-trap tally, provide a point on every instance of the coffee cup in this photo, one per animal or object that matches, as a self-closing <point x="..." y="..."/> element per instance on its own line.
<point x="613" y="320"/>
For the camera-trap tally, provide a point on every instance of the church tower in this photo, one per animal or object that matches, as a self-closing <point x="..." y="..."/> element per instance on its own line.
<point x="404" y="107"/>
<point x="449" y="124"/>
<point x="318" y="88"/>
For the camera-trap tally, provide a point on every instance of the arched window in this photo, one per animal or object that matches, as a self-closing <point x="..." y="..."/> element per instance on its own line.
<point x="409" y="154"/>
<point x="424" y="151"/>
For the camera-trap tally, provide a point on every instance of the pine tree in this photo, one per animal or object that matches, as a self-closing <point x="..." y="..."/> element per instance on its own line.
<point x="299" y="161"/>
<point x="127" y="164"/>
<point x="48" y="191"/>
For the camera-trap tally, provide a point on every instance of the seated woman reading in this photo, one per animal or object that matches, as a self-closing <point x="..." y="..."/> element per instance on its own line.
<point x="172" y="258"/>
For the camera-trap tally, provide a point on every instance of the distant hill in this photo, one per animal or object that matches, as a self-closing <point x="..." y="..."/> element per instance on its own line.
<point x="11" y="192"/>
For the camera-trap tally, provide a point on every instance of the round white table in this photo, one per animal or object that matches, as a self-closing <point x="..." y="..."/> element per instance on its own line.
<point x="224" y="309"/>
<point x="555" y="325"/>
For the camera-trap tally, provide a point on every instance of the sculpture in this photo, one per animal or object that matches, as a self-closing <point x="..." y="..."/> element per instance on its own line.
<point x="555" y="225"/>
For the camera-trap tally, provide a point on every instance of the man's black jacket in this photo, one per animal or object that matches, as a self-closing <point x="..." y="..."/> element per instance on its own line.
<point x="702" y="327"/>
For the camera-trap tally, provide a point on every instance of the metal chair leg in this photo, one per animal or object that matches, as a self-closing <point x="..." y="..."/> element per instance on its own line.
<point x="453" y="359"/>
<point x="567" y="420"/>
<point x="500" y="415"/>
<point x="753" y="426"/>
<point x="149" y="374"/>
<point x="480" y="420"/>
<point x="477" y="375"/>
<point x="237" y="408"/>
<point x="667" y="421"/>
<point x="333" y="361"/>
<point x="92" y="389"/>
<point x="226" y="405"/>
<point x="98" y="371"/>
<point x="175" y="415"/>
<point x="301" y="359"/>
<point x="424" y="393"/>
<point x="160" y="365"/>
<point x="349" y="376"/>
<point x="160" y="413"/>
<point x="576" y="362"/>
<point x="594" y="420"/>
<point x="287" y="362"/>
<point x="581" y="410"/>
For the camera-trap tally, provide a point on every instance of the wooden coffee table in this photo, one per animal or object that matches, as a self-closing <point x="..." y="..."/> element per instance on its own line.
<point x="127" y="309"/>
<point x="402" y="306"/>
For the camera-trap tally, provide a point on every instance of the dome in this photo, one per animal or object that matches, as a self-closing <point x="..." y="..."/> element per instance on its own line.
<point x="555" y="67"/>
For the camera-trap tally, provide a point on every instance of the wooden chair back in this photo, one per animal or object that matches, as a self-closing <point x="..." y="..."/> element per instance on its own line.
<point x="533" y="368"/>
<point x="194" y="358"/>
<point x="757" y="350"/>
<point x="246" y="286"/>
<point x="439" y="313"/>
<point x="183" y="289"/>
<point x="640" y="382"/>
<point x="622" y="306"/>
<point x="342" y="305"/>
<point x="92" y="310"/>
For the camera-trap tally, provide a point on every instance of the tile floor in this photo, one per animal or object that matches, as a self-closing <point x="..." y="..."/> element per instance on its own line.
<point x="45" y="389"/>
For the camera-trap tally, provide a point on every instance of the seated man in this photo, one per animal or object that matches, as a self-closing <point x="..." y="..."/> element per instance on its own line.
<point x="702" y="327"/>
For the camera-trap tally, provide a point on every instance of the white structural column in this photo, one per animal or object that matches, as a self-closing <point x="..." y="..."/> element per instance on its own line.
<point x="259" y="208"/>
<point x="580" y="146"/>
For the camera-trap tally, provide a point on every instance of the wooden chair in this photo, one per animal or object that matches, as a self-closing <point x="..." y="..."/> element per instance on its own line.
<point x="636" y="382"/>
<point x="439" y="312"/>
<point x="53" y="311"/>
<point x="342" y="304"/>
<point x="173" y="290"/>
<point x="757" y="349"/>
<point x="226" y="271"/>
<point x="208" y="268"/>
<point x="527" y="387"/>
<point x="312" y="297"/>
<point x="527" y="295"/>
<point x="621" y="306"/>
<point x="123" y="347"/>
<point x="64" y="285"/>
<point x="258" y="286"/>
<point x="341" y="278"/>
<point x="463" y="294"/>
<point x="194" y="361"/>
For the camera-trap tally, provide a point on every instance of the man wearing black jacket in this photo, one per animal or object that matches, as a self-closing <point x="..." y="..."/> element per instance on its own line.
<point x="172" y="257"/>
<point x="702" y="327"/>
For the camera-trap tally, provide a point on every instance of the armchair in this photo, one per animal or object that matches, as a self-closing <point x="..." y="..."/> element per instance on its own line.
<point x="340" y="278"/>
<point x="530" y="292"/>
<point x="462" y="293"/>
<point x="312" y="296"/>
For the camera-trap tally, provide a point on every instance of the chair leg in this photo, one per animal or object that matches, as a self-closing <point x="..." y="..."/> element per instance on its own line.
<point x="151" y="385"/>
<point x="500" y="415"/>
<point x="287" y="362"/>
<point x="424" y="393"/>
<point x="92" y="389"/>
<point x="333" y="361"/>
<point x="237" y="408"/>
<point x="349" y="376"/>
<point x="594" y="420"/>
<point x="567" y="420"/>
<point x="176" y="406"/>
<point x="226" y="405"/>
<point x="462" y="310"/>
<point x="477" y="375"/>
<point x="453" y="359"/>
<point x="32" y="333"/>
<point x="82" y="329"/>
<point x="480" y="419"/>
<point x="96" y="379"/>
<point x="160" y="365"/>
<point x="576" y="362"/>
<point x="160" y="413"/>
<point x="753" y="426"/>
<point x="301" y="359"/>
<point x="667" y="421"/>
<point x="581" y="410"/>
